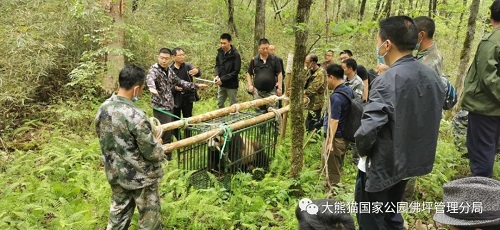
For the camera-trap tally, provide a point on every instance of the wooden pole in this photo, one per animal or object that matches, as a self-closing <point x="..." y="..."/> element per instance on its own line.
<point x="235" y="126"/>
<point x="220" y="112"/>
<point x="289" y="64"/>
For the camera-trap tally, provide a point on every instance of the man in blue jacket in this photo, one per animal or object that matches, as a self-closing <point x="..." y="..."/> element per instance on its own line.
<point x="398" y="135"/>
<point x="481" y="97"/>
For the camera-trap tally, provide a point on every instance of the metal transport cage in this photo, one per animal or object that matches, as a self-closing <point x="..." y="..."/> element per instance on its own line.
<point x="245" y="150"/>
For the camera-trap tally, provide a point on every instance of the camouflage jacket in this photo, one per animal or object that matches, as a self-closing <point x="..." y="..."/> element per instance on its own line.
<point x="131" y="155"/>
<point x="356" y="84"/>
<point x="164" y="80"/>
<point x="432" y="58"/>
<point x="315" y="88"/>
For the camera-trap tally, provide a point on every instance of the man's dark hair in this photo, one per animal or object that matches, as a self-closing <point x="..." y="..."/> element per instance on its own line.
<point x="174" y="51"/>
<point x="335" y="70"/>
<point x="425" y="24"/>
<point x="330" y="51"/>
<point x="263" y="41"/>
<point x="348" y="52"/>
<point x="351" y="63"/>
<point x="226" y="36"/>
<point x="165" y="51"/>
<point x="130" y="76"/>
<point x="495" y="10"/>
<point x="401" y="30"/>
<point x="324" y="219"/>
<point x="313" y="58"/>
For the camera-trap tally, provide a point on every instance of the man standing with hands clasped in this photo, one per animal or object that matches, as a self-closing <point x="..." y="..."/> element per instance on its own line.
<point x="398" y="135"/>
<point x="266" y="72"/>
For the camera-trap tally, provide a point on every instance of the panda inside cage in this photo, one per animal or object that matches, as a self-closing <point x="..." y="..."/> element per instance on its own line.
<point x="250" y="149"/>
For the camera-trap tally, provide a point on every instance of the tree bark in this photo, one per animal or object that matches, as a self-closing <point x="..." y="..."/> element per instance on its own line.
<point x="434" y="8"/>
<point x="387" y="8"/>
<point x="465" y="53"/>
<point x="296" y="100"/>
<point x="339" y="3"/>
<point x="362" y="10"/>
<point x="115" y="59"/>
<point x="327" y="21"/>
<point x="230" y="20"/>
<point x="376" y="12"/>
<point x="260" y="22"/>
<point x="459" y="27"/>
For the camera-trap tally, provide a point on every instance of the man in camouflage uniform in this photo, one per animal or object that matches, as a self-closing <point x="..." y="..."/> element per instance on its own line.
<point x="131" y="155"/>
<point x="161" y="81"/>
<point x="314" y="90"/>
<point x="426" y="47"/>
<point x="459" y="131"/>
<point x="351" y="77"/>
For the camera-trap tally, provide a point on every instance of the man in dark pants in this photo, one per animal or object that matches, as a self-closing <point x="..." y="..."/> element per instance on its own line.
<point x="399" y="129"/>
<point x="264" y="76"/>
<point x="481" y="97"/>
<point x="227" y="68"/>
<point x="183" y="99"/>
<point x="161" y="81"/>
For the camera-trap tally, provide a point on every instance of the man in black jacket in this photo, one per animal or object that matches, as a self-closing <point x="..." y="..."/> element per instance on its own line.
<point x="398" y="135"/>
<point x="183" y="99"/>
<point x="227" y="68"/>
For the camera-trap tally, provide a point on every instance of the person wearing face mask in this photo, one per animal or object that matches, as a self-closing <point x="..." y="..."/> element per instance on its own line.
<point x="399" y="128"/>
<point x="131" y="154"/>
<point x="426" y="47"/>
<point x="314" y="90"/>
<point x="161" y="81"/>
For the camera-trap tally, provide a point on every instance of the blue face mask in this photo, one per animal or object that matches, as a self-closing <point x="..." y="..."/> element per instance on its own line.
<point x="379" y="57"/>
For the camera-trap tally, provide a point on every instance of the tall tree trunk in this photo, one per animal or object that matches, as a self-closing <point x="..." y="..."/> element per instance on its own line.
<point x="410" y="4"/>
<point x="460" y="21"/>
<point x="230" y="20"/>
<point x="362" y="10"/>
<point x="387" y="8"/>
<point x="465" y="54"/>
<point x="434" y="8"/>
<point x="260" y="22"/>
<point x="327" y="21"/>
<point x="401" y="8"/>
<point x="339" y="3"/>
<point x="377" y="10"/>
<point x="115" y="59"/>
<point x="296" y="98"/>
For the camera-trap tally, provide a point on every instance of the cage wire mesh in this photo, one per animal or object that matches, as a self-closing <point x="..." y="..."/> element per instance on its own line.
<point x="245" y="150"/>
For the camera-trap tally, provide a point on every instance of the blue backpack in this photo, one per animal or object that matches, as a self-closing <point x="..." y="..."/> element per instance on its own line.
<point x="451" y="95"/>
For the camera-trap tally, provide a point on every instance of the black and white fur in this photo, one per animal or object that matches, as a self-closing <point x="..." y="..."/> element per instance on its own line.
<point x="242" y="154"/>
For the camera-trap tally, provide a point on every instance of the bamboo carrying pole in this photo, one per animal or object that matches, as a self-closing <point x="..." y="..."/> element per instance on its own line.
<point x="235" y="126"/>
<point x="220" y="112"/>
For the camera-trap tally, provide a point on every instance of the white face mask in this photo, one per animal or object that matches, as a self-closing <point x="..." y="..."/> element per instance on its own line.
<point x="134" y="98"/>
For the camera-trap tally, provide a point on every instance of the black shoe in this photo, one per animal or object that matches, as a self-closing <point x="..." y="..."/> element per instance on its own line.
<point x="168" y="156"/>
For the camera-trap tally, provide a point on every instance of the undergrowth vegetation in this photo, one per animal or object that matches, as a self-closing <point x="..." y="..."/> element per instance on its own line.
<point x="60" y="183"/>
<point x="51" y="172"/>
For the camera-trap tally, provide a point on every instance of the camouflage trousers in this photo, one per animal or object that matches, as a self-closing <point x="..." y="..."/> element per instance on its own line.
<point x="123" y="205"/>
<point x="262" y="94"/>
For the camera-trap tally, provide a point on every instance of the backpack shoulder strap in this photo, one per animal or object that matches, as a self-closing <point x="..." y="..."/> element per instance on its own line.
<point x="345" y="95"/>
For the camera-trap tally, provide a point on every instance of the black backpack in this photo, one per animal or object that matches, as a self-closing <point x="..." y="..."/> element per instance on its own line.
<point x="353" y="119"/>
